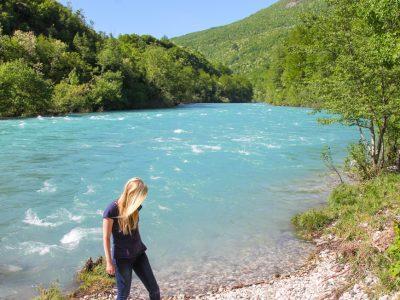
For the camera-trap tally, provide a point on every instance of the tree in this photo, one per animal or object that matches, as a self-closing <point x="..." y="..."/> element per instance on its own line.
<point x="171" y="79"/>
<point x="106" y="91"/>
<point x="23" y="91"/>
<point x="235" y="88"/>
<point x="70" y="96"/>
<point x="359" y="77"/>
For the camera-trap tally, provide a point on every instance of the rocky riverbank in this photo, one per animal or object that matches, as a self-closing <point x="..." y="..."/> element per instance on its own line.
<point x="323" y="276"/>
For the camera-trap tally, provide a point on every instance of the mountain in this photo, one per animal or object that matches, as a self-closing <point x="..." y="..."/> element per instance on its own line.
<point x="245" y="45"/>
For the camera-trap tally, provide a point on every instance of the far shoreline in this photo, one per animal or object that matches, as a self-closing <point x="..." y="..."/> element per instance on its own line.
<point x="75" y="114"/>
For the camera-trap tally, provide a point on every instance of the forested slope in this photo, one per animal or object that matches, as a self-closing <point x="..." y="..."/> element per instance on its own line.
<point x="245" y="45"/>
<point x="52" y="61"/>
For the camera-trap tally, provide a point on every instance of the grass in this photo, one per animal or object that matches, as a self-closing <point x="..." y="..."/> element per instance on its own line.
<point x="53" y="292"/>
<point x="92" y="279"/>
<point x="363" y="219"/>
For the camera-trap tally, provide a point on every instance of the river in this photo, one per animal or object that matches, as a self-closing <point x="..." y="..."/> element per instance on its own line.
<point x="224" y="181"/>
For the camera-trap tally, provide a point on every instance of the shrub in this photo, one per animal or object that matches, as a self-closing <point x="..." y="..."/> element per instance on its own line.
<point x="68" y="98"/>
<point x="106" y="91"/>
<point x="311" y="222"/>
<point x="53" y="292"/>
<point x="359" y="161"/>
<point x="93" y="277"/>
<point x="343" y="194"/>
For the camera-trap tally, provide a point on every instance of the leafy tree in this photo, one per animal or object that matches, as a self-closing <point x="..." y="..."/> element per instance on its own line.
<point x="23" y="91"/>
<point x="359" y="66"/>
<point x="106" y="91"/>
<point x="47" y="17"/>
<point x="71" y="96"/>
<point x="166" y="75"/>
<point x="235" y="88"/>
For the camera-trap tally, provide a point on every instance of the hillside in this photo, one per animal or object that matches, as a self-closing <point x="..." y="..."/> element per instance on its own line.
<point x="53" y="62"/>
<point x="245" y="45"/>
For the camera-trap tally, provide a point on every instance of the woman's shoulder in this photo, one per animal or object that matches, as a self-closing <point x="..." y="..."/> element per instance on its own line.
<point x="111" y="210"/>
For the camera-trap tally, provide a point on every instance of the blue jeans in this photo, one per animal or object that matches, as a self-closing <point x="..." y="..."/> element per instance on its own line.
<point x="142" y="268"/>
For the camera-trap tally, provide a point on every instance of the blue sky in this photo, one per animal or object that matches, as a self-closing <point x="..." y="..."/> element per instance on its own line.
<point x="164" y="17"/>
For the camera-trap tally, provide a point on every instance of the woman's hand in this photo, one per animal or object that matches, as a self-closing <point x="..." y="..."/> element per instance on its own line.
<point x="110" y="268"/>
<point x="107" y="228"/>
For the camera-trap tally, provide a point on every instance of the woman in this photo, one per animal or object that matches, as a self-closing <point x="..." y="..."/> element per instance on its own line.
<point x="120" y="219"/>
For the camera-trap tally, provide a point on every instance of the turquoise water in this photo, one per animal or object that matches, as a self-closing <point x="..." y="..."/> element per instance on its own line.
<point x="224" y="181"/>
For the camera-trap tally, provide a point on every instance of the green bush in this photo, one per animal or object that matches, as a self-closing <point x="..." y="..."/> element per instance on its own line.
<point x="69" y="98"/>
<point x="344" y="194"/>
<point x="23" y="91"/>
<point x="53" y="292"/>
<point x="93" y="278"/>
<point x="389" y="263"/>
<point x="311" y="221"/>
<point x="359" y="161"/>
<point x="106" y="91"/>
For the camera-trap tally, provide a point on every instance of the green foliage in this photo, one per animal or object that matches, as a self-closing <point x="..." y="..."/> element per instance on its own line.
<point x="359" y="161"/>
<point x="311" y="222"/>
<point x="69" y="97"/>
<point x="394" y="255"/>
<point x="389" y="272"/>
<point x="245" y="45"/>
<point x="93" y="278"/>
<point x="53" y="292"/>
<point x="172" y="80"/>
<point x="47" y="17"/>
<point x="343" y="58"/>
<point x="23" y="91"/>
<point x="106" y="91"/>
<point x="354" y="214"/>
<point x="235" y="88"/>
<point x="91" y="71"/>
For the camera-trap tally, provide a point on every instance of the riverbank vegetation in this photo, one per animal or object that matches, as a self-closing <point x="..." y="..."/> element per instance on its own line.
<point x="362" y="220"/>
<point x="52" y="62"/>
<point x="91" y="280"/>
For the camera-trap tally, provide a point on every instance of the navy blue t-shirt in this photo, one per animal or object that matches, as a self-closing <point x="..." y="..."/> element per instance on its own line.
<point x="124" y="246"/>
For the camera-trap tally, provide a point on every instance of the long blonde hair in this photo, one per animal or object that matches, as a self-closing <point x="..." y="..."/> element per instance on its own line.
<point x="135" y="192"/>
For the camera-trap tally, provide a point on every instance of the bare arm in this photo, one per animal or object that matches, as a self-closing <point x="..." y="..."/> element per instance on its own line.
<point x="107" y="228"/>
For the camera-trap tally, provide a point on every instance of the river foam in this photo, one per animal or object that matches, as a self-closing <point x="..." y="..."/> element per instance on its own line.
<point x="32" y="218"/>
<point x="47" y="187"/>
<point x="33" y="247"/>
<point x="72" y="239"/>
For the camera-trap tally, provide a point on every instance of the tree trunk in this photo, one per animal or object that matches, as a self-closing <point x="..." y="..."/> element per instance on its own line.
<point x="373" y="143"/>
<point x="398" y="160"/>
<point x="379" y="146"/>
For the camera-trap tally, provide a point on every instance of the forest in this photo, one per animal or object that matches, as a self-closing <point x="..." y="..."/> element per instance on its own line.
<point x="246" y="46"/>
<point x="53" y="62"/>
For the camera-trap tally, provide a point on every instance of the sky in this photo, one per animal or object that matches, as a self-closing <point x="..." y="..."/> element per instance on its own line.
<point x="164" y="17"/>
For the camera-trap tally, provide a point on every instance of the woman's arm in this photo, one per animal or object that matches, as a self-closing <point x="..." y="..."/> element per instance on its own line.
<point x="107" y="228"/>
